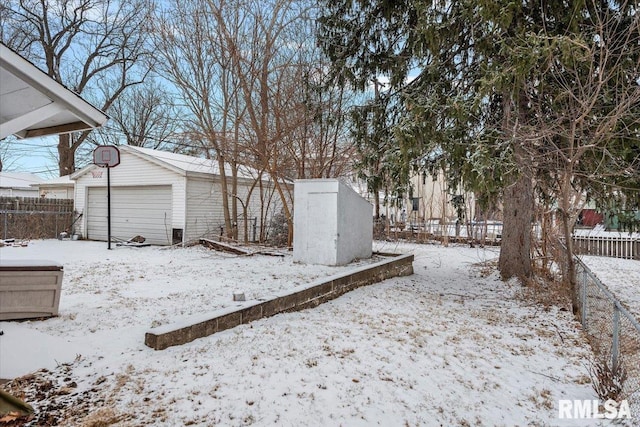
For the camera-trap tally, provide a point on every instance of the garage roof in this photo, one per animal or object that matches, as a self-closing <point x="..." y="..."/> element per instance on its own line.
<point x="33" y="104"/>
<point x="184" y="163"/>
<point x="179" y="163"/>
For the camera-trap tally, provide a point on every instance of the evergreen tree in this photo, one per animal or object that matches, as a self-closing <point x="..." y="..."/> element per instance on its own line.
<point x="489" y="78"/>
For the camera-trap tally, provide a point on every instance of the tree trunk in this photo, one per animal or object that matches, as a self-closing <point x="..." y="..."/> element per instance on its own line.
<point x="515" y="249"/>
<point x="570" y="272"/>
<point x="224" y="185"/>
<point x="568" y="221"/>
<point x="66" y="155"/>
<point x="376" y="203"/>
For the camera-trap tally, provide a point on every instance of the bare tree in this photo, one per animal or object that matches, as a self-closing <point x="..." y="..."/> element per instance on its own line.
<point x="251" y="79"/>
<point x="8" y="154"/>
<point x="268" y="71"/>
<point x="319" y="144"/>
<point x="95" y="47"/>
<point x="193" y="61"/>
<point x="143" y="116"/>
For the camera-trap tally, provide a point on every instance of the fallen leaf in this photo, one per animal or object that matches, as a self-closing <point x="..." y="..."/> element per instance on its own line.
<point x="10" y="417"/>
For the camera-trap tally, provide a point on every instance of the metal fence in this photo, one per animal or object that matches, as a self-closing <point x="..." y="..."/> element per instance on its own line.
<point x="614" y="333"/>
<point x="481" y="232"/>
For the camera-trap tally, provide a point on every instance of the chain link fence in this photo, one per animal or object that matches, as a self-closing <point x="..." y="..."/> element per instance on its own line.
<point x="613" y="332"/>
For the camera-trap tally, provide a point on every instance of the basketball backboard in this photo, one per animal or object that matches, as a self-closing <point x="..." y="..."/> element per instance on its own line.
<point x="106" y="156"/>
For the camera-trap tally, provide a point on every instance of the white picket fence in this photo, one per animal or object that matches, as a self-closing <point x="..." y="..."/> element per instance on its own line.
<point x="602" y="243"/>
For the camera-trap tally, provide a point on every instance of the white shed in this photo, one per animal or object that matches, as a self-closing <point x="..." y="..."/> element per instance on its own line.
<point x="165" y="197"/>
<point x="332" y="224"/>
<point x="57" y="188"/>
<point x="19" y="184"/>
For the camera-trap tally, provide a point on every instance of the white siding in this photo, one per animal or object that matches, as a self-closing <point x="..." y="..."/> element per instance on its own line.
<point x="56" y="192"/>
<point x="133" y="171"/>
<point x="204" y="209"/>
<point x="435" y="200"/>
<point x="196" y="206"/>
<point x="19" y="192"/>
<point x="272" y="205"/>
<point x="205" y="214"/>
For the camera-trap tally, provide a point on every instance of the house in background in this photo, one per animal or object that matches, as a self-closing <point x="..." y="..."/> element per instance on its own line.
<point x="19" y="184"/>
<point x="432" y="201"/>
<point x="57" y="188"/>
<point x="429" y="201"/>
<point x="165" y="197"/>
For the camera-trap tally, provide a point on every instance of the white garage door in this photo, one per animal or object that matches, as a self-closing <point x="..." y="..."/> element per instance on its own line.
<point x="144" y="211"/>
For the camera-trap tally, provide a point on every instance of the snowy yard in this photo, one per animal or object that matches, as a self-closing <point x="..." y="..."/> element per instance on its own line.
<point x="621" y="276"/>
<point x="449" y="345"/>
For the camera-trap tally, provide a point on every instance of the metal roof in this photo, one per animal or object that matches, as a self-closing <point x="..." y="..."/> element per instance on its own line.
<point x="181" y="164"/>
<point x="33" y="104"/>
<point x="188" y="164"/>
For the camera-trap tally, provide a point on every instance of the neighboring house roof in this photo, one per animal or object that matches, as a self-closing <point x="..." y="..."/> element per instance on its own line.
<point x="63" y="181"/>
<point x="19" y="180"/>
<point x="179" y="163"/>
<point x="34" y="104"/>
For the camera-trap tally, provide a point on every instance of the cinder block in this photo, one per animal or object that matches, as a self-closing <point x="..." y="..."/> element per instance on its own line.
<point x="196" y="331"/>
<point x="340" y="283"/>
<point x="229" y="321"/>
<point x="269" y="308"/>
<point x="252" y="313"/>
<point x="151" y="340"/>
<point x="360" y="277"/>
<point x="288" y="302"/>
<point x="308" y="295"/>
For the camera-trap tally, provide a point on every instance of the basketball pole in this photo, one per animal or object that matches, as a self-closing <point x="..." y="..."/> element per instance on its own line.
<point x="107" y="156"/>
<point x="108" y="207"/>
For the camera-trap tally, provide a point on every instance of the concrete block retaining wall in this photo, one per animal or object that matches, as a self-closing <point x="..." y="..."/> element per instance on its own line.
<point x="299" y="298"/>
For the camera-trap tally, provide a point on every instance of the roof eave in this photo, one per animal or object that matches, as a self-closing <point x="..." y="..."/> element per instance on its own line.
<point x="89" y="117"/>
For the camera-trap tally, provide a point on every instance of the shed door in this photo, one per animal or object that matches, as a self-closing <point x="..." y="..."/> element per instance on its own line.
<point x="322" y="227"/>
<point x="144" y="211"/>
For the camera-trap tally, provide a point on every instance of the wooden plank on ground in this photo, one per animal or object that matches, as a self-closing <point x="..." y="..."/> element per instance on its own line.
<point x="219" y="246"/>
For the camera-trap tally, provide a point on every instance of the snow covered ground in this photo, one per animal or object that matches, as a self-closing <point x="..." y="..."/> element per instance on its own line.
<point x="621" y="276"/>
<point x="449" y="345"/>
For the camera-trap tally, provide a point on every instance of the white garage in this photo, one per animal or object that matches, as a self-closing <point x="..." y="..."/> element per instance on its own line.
<point x="165" y="197"/>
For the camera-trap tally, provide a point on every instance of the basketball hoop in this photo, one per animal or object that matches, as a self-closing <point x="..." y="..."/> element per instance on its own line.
<point x="106" y="156"/>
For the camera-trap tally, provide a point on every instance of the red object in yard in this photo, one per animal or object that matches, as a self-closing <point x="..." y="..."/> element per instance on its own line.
<point x="591" y="218"/>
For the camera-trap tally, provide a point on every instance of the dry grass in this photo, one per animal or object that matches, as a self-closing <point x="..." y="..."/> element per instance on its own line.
<point x="547" y="290"/>
<point x="608" y="381"/>
<point x="103" y="417"/>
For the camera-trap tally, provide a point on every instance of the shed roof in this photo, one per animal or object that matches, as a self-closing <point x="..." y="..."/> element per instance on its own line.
<point x="62" y="181"/>
<point x="33" y="104"/>
<point x="18" y="180"/>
